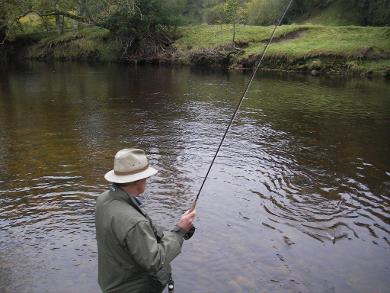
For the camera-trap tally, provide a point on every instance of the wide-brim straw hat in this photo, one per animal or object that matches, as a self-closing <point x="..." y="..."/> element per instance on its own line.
<point x="130" y="165"/>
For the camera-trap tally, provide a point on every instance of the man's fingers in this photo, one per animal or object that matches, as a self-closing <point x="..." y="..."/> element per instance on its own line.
<point x="189" y="215"/>
<point x="190" y="211"/>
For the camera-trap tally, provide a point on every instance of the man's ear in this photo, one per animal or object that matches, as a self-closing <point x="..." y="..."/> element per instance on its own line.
<point x="139" y="182"/>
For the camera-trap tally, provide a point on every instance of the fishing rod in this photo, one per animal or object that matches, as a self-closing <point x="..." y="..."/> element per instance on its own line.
<point x="242" y="98"/>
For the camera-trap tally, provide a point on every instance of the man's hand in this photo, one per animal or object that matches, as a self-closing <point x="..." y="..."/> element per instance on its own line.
<point x="186" y="220"/>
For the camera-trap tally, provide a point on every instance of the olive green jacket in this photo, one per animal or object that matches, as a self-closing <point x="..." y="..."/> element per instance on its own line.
<point x="133" y="254"/>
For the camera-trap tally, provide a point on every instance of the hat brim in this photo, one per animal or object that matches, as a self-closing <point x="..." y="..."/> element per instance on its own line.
<point x="112" y="177"/>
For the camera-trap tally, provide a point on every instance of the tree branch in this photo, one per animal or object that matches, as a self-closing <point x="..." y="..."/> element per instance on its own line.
<point x="66" y="14"/>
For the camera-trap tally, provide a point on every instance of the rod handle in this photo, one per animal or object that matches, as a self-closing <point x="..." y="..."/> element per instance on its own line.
<point x="193" y="206"/>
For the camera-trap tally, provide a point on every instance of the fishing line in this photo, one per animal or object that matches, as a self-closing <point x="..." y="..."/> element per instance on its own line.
<point x="242" y="98"/>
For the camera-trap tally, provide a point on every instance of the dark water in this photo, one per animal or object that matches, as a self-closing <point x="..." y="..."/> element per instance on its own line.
<point x="297" y="201"/>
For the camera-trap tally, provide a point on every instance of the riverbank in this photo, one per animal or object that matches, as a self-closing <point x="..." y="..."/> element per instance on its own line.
<point x="315" y="49"/>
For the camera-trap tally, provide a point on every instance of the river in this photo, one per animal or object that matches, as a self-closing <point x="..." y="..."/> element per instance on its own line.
<point x="297" y="200"/>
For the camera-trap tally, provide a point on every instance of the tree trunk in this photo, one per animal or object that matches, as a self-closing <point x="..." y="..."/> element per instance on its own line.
<point x="3" y="28"/>
<point x="234" y="31"/>
<point x="62" y="24"/>
<point x="58" y="23"/>
<point x="2" y="34"/>
<point x="81" y="8"/>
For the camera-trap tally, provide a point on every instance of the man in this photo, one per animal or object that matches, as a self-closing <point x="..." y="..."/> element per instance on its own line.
<point x="133" y="253"/>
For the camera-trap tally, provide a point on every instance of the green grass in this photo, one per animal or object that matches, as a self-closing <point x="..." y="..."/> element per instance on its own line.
<point x="368" y="48"/>
<point x="87" y="43"/>
<point x="346" y="41"/>
<point x="206" y="36"/>
<point x="378" y="66"/>
<point x="296" y="47"/>
<point x="86" y="33"/>
<point x="349" y="41"/>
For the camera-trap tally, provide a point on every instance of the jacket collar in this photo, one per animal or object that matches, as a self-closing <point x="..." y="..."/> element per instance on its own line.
<point x="120" y="194"/>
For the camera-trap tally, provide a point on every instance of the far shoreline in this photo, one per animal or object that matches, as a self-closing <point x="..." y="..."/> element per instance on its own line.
<point x="304" y="49"/>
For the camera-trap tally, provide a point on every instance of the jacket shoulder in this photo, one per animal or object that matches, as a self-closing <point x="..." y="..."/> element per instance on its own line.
<point x="118" y="215"/>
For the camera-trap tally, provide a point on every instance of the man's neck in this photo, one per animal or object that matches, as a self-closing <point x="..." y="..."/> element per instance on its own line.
<point x="132" y="196"/>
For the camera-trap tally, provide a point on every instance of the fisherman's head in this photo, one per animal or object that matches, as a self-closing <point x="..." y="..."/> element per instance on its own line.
<point x="131" y="169"/>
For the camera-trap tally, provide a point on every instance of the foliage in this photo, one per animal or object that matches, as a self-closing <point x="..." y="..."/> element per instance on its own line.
<point x="10" y="11"/>
<point x="141" y="25"/>
<point x="138" y="17"/>
<point x="231" y="14"/>
<point x="374" y="12"/>
<point x="193" y="10"/>
<point x="134" y="17"/>
<point x="135" y="22"/>
<point x="370" y="12"/>
<point x="144" y="26"/>
<point x="230" y="9"/>
<point x="215" y="14"/>
<point x="264" y="12"/>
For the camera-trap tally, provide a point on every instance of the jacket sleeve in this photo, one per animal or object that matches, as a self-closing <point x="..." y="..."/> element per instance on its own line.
<point x="145" y="249"/>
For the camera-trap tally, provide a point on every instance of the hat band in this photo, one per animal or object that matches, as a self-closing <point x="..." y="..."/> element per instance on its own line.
<point x="119" y="173"/>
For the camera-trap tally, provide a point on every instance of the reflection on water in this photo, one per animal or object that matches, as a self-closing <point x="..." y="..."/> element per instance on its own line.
<point x="297" y="201"/>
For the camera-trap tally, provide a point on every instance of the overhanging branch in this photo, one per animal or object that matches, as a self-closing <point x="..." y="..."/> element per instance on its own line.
<point x="79" y="18"/>
<point x="66" y="14"/>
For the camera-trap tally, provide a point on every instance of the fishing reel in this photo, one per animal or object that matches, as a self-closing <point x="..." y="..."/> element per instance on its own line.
<point x="189" y="234"/>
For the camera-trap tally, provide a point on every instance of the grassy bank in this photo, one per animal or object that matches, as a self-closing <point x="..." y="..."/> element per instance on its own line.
<point x="341" y="49"/>
<point x="89" y="44"/>
<point x="310" y="48"/>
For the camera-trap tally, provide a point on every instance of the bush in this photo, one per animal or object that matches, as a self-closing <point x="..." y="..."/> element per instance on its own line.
<point x="215" y="15"/>
<point x="265" y="12"/>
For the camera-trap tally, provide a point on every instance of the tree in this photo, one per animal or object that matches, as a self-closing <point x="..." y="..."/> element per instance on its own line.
<point x="193" y="10"/>
<point x="242" y="14"/>
<point x="142" y="24"/>
<point x="231" y="14"/>
<point x="374" y="12"/>
<point x="265" y="12"/>
<point x="10" y="12"/>
<point x="215" y="14"/>
<point x="3" y="27"/>
<point x="138" y="23"/>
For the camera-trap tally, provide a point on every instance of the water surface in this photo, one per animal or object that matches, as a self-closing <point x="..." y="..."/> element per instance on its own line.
<point x="297" y="201"/>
